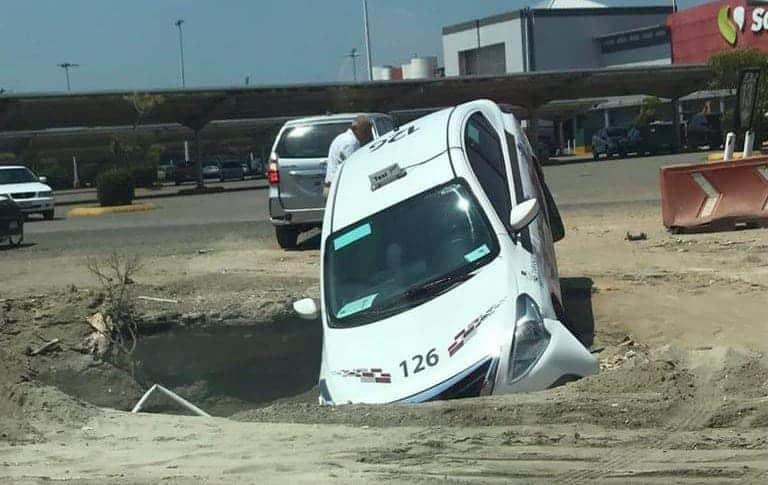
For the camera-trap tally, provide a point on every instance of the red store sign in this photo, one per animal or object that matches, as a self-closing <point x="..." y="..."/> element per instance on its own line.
<point x="699" y="32"/>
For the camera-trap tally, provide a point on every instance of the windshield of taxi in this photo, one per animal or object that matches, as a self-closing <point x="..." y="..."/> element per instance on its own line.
<point x="374" y="267"/>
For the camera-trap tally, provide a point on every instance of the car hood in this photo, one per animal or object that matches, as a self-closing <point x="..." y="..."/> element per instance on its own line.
<point x="405" y="355"/>
<point x="27" y="187"/>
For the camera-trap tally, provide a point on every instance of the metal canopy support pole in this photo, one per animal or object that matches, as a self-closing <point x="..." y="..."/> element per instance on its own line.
<point x="677" y="139"/>
<point x="533" y="126"/>
<point x="196" y="122"/>
<point x="75" y="174"/>
<point x="198" y="160"/>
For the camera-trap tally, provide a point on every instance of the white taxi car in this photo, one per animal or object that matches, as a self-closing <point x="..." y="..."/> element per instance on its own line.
<point x="27" y="189"/>
<point x="439" y="277"/>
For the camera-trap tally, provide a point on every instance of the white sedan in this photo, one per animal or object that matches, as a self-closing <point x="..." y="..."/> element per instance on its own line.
<point x="28" y="190"/>
<point x="438" y="276"/>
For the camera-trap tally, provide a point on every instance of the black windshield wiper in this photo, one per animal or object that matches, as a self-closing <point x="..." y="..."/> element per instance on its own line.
<point x="437" y="286"/>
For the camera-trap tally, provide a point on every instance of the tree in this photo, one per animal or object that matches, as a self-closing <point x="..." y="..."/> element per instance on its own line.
<point x="725" y="68"/>
<point x="649" y="110"/>
<point x="133" y="151"/>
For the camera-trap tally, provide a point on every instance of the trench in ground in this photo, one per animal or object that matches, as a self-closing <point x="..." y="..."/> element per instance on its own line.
<point x="231" y="368"/>
<point x="228" y="369"/>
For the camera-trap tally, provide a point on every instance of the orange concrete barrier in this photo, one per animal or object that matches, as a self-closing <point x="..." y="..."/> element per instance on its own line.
<point x="716" y="195"/>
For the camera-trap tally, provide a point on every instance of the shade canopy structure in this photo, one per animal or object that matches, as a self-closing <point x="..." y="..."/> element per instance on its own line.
<point x="63" y="141"/>
<point x="194" y="108"/>
<point x="246" y="118"/>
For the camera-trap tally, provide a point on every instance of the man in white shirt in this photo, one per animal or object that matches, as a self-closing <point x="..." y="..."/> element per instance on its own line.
<point x="344" y="145"/>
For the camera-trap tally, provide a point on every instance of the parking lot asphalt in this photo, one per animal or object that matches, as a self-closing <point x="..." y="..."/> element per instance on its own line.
<point x="634" y="180"/>
<point x="199" y="219"/>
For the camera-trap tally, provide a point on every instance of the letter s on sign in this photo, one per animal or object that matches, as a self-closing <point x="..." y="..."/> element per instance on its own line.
<point x="757" y="19"/>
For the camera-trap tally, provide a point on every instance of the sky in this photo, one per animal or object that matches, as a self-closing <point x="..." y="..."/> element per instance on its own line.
<point x="133" y="44"/>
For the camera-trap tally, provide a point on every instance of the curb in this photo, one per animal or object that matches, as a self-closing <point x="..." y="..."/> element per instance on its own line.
<point x="100" y="211"/>
<point x="718" y="156"/>
<point x="163" y="196"/>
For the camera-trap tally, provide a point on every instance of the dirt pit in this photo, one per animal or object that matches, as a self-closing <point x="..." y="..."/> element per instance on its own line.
<point x="227" y="369"/>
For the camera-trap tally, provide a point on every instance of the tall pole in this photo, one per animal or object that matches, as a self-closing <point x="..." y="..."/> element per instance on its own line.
<point x="66" y="66"/>
<point x="178" y="24"/>
<point x="367" y="40"/>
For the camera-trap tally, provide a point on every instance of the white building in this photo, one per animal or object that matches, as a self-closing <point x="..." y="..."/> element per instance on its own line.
<point x="558" y="35"/>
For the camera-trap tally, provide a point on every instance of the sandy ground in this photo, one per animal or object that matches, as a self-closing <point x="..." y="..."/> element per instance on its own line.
<point x="682" y="397"/>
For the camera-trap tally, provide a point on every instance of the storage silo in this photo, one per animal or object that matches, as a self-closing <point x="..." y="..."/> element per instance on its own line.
<point x="422" y="68"/>
<point x="406" y="70"/>
<point x="382" y="73"/>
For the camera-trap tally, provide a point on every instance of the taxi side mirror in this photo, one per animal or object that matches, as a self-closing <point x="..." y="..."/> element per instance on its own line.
<point x="306" y="308"/>
<point x="43" y="179"/>
<point x="523" y="214"/>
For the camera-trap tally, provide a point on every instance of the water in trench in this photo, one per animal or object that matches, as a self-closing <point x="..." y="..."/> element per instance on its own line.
<point x="227" y="369"/>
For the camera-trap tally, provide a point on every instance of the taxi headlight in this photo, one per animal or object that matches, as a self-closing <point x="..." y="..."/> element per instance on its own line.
<point x="45" y="193"/>
<point x="530" y="340"/>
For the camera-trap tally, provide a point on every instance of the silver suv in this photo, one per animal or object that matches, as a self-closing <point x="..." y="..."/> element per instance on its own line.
<point x="296" y="170"/>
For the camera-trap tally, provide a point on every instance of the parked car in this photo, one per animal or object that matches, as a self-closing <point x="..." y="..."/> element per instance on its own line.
<point x="212" y="171"/>
<point x="257" y="168"/>
<point x="610" y="141"/>
<point x="655" y="137"/>
<point x="704" y="129"/>
<point x="297" y="169"/>
<point x="231" y="170"/>
<point x="28" y="190"/>
<point x="184" y="172"/>
<point x="166" y="171"/>
<point x="449" y="208"/>
<point x="11" y="222"/>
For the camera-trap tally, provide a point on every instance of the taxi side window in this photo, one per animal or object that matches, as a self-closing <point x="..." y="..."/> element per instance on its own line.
<point x="384" y="125"/>
<point x="517" y="179"/>
<point x="487" y="161"/>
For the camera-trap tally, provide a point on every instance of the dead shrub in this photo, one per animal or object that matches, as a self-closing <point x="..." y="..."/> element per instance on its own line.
<point x="115" y="277"/>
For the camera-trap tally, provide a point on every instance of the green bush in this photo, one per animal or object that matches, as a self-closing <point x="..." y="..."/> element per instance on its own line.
<point x="145" y="177"/>
<point x="115" y="187"/>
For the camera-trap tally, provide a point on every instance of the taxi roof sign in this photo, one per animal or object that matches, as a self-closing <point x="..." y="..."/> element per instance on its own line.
<point x="386" y="176"/>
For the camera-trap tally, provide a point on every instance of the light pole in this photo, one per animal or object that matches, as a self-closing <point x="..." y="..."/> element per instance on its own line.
<point x="367" y="40"/>
<point x="178" y="24"/>
<point x="66" y="66"/>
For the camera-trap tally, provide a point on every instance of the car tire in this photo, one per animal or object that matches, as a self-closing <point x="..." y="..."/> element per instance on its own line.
<point x="15" y="240"/>
<point x="287" y="236"/>
<point x="48" y="215"/>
